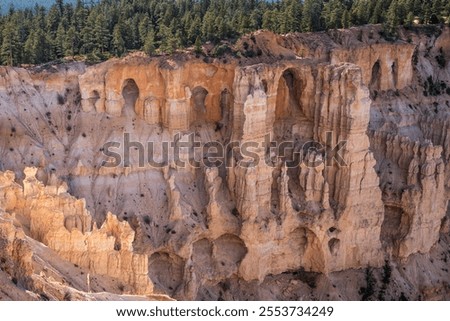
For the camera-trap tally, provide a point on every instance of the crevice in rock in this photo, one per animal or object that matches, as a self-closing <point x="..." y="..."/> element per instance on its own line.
<point x="130" y="93"/>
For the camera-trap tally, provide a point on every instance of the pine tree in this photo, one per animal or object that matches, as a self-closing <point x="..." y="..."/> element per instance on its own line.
<point x="88" y="34"/>
<point x="149" y="42"/>
<point x="208" y="27"/>
<point x="195" y="29"/>
<point x="198" y="46"/>
<point x="417" y="8"/>
<point x="221" y="30"/>
<point x="244" y="23"/>
<point x="80" y="15"/>
<point x="70" y="42"/>
<point x="117" y="41"/>
<point x="59" y="41"/>
<point x="333" y="13"/>
<point x="53" y="19"/>
<point x="28" y="49"/>
<point x="270" y="21"/>
<point x="426" y="12"/>
<point x="392" y="18"/>
<point x="165" y="34"/>
<point x="360" y="12"/>
<point x="437" y="8"/>
<point x="312" y="15"/>
<point x="101" y="33"/>
<point x="9" y="48"/>
<point x="143" y="27"/>
<point x="346" y="19"/>
<point x="377" y="14"/>
<point x="255" y="20"/>
<point x="38" y="47"/>
<point x="409" y="19"/>
<point x="291" y="17"/>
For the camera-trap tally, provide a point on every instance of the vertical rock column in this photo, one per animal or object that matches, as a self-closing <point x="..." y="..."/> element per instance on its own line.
<point x="354" y="185"/>
<point x="251" y="183"/>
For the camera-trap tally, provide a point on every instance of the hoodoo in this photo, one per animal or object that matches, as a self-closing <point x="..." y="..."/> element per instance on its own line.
<point x="277" y="176"/>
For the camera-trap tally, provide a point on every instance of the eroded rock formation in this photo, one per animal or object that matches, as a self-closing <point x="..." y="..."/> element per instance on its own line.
<point x="62" y="222"/>
<point x="362" y="178"/>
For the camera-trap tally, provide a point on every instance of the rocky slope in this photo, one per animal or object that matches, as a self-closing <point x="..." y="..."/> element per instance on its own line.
<point x="263" y="224"/>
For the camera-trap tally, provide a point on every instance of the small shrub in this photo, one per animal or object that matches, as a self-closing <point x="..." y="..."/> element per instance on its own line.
<point x="387" y="272"/>
<point x="441" y="59"/>
<point x="249" y="53"/>
<point x="218" y="126"/>
<point x="415" y="58"/>
<point x="403" y="297"/>
<point x="369" y="290"/>
<point x="221" y="50"/>
<point x="60" y="99"/>
<point x="432" y="88"/>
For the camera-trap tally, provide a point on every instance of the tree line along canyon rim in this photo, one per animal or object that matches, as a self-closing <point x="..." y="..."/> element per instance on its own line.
<point x="241" y="229"/>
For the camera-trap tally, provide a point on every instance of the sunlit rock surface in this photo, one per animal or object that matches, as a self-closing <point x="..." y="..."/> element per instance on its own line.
<point x="255" y="227"/>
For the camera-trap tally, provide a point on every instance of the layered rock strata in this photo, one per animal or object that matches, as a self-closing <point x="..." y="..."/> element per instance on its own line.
<point x="355" y="172"/>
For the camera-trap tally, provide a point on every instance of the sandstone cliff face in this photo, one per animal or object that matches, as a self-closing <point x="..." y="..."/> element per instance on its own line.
<point x="160" y="93"/>
<point x="413" y="192"/>
<point x="372" y="188"/>
<point x="15" y="257"/>
<point x="62" y="222"/>
<point x="269" y="198"/>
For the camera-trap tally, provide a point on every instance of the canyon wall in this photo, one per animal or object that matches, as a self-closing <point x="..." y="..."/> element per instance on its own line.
<point x="62" y="222"/>
<point x="362" y="177"/>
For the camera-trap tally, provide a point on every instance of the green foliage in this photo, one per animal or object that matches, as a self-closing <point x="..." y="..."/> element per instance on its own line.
<point x="440" y="58"/>
<point x="394" y="18"/>
<point x="387" y="272"/>
<point x="149" y="43"/>
<point x="99" y="29"/>
<point x="409" y="19"/>
<point x="169" y="40"/>
<point x="117" y="40"/>
<point x="198" y="45"/>
<point x="369" y="290"/>
<point x="386" y="280"/>
<point x="38" y="47"/>
<point x="221" y="50"/>
<point x="312" y="20"/>
<point x="70" y="44"/>
<point x="10" y="49"/>
<point x="434" y="88"/>
<point x="333" y="13"/>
